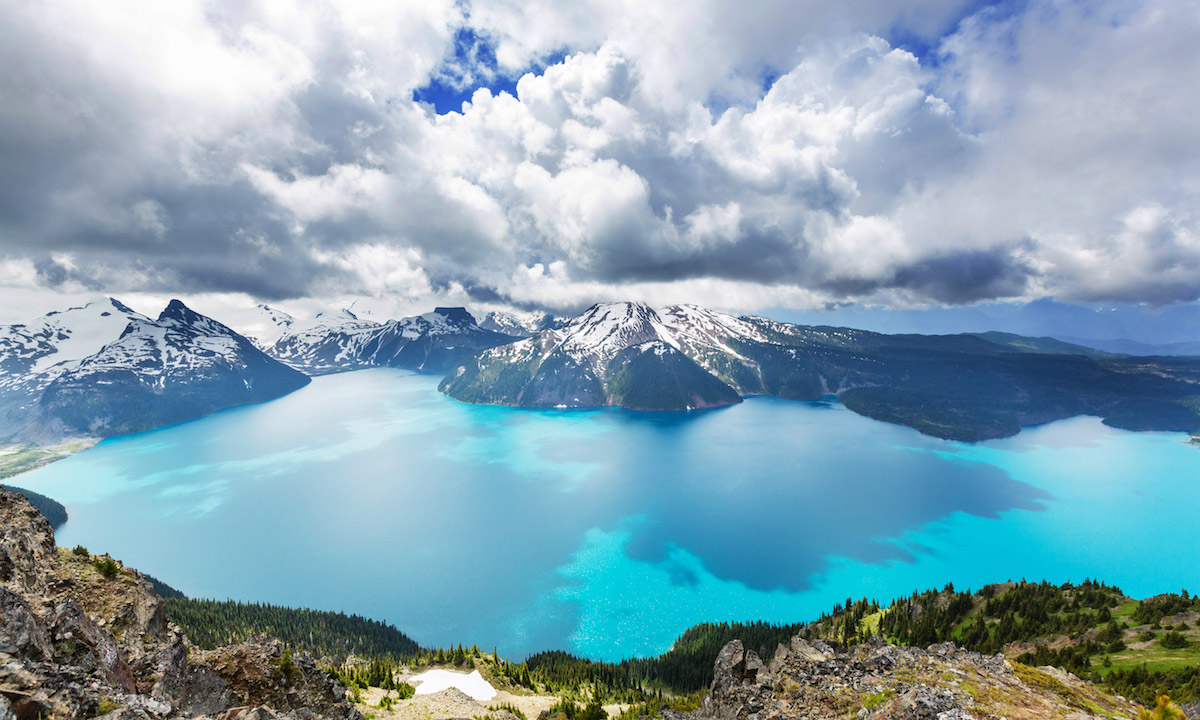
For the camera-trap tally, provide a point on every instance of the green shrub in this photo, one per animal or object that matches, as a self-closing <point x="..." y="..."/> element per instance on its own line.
<point x="286" y="669"/>
<point x="564" y="706"/>
<point x="404" y="691"/>
<point x="1174" y="640"/>
<point x="107" y="567"/>
<point x="593" y="710"/>
<point x="80" y="551"/>
<point x="1164" y="709"/>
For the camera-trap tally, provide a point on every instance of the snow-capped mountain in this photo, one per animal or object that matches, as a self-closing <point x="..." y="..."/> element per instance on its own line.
<point x="328" y="343"/>
<point x="969" y="387"/>
<point x="336" y="342"/>
<point x="268" y="325"/>
<point x="622" y="354"/>
<point x="520" y="324"/>
<point x="179" y="366"/>
<point x="60" y="338"/>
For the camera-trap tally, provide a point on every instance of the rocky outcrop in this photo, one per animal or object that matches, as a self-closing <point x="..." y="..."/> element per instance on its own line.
<point x="83" y="636"/>
<point x="877" y="680"/>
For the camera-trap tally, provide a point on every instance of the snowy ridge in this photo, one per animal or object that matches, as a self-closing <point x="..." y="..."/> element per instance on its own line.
<point x="179" y="343"/>
<point x="328" y="343"/>
<point x="605" y="330"/>
<point x="340" y="341"/>
<point x="701" y="327"/>
<point x="616" y="353"/>
<point x="520" y="324"/>
<point x="440" y="322"/>
<point x="272" y="324"/>
<point x="32" y="354"/>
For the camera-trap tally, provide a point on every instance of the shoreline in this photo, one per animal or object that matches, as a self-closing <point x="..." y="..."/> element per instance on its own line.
<point x="22" y="458"/>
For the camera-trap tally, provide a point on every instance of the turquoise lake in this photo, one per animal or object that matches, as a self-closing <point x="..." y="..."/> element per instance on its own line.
<point x="607" y="532"/>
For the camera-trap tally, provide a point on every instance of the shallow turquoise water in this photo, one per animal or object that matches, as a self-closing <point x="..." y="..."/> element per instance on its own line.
<point x="609" y="532"/>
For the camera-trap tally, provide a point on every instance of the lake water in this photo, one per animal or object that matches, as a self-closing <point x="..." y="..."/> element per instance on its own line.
<point x="607" y="532"/>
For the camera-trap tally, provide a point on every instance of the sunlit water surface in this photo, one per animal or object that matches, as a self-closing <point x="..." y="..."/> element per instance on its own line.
<point x="608" y="532"/>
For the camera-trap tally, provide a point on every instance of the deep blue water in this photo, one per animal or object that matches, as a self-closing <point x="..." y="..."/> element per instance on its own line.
<point x="608" y="532"/>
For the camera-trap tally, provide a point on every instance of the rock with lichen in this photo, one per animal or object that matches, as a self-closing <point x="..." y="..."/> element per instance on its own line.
<point x="809" y="680"/>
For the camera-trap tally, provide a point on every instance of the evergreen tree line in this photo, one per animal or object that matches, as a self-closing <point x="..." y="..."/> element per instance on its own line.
<point x="212" y="623"/>
<point x="51" y="509"/>
<point x="1028" y="612"/>
<point x="1142" y="685"/>
<point x="1151" y="611"/>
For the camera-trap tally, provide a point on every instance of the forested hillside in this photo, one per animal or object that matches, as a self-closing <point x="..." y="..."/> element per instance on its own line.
<point x="212" y="623"/>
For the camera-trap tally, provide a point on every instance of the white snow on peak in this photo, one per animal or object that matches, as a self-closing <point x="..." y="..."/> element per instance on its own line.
<point x="442" y="321"/>
<point x="438" y="324"/>
<point x="694" y="329"/>
<point x="107" y="336"/>
<point x="68" y="336"/>
<point x="517" y="324"/>
<point x="336" y="317"/>
<point x="710" y="323"/>
<point x="179" y="341"/>
<point x="606" y="329"/>
<point x="269" y="325"/>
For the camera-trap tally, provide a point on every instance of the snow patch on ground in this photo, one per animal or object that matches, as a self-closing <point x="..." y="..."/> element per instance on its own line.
<point x="432" y="681"/>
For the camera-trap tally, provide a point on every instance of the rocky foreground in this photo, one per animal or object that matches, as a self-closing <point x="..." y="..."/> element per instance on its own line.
<point x="82" y="636"/>
<point x="876" y="680"/>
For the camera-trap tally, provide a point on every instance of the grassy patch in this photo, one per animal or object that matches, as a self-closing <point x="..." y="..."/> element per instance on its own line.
<point x="869" y="625"/>
<point x="874" y="700"/>
<point x="1125" y="610"/>
<point x="17" y="459"/>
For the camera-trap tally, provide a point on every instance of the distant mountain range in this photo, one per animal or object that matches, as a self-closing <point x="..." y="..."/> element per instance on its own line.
<point x="103" y="369"/>
<point x="1122" y="328"/>
<point x="965" y="387"/>
<point x="336" y="342"/>
<point x="520" y="324"/>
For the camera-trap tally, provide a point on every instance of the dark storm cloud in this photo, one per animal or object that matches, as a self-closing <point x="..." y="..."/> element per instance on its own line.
<point x="966" y="277"/>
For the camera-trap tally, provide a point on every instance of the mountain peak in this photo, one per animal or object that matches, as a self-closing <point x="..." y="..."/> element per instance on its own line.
<point x="181" y="317"/>
<point x="455" y="314"/>
<point x="342" y="314"/>
<point x="177" y="310"/>
<point x="119" y="306"/>
<point x="610" y="327"/>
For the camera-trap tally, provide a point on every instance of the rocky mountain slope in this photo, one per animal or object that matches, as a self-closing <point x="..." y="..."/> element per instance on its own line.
<point x="336" y="342"/>
<point x="966" y="387"/>
<point x="82" y="636"/>
<point x="877" y="680"/>
<point x="76" y="380"/>
<point x="622" y="354"/>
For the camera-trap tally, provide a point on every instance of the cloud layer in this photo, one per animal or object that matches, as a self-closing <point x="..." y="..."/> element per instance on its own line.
<point x="737" y="156"/>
